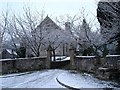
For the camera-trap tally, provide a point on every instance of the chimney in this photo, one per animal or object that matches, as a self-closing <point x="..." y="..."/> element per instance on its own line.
<point x="67" y="26"/>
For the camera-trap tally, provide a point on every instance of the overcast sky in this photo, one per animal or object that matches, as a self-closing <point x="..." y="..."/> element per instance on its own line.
<point x="54" y="8"/>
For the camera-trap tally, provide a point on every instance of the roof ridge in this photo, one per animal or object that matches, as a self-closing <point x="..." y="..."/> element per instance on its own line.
<point x="47" y="19"/>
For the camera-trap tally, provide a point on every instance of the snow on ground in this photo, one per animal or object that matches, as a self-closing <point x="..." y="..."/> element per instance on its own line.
<point x="16" y="74"/>
<point x="86" y="56"/>
<point x="78" y="80"/>
<point x="47" y="79"/>
<point x="112" y="55"/>
<point x="67" y="58"/>
<point x="0" y="84"/>
<point x="61" y="58"/>
<point x="39" y="79"/>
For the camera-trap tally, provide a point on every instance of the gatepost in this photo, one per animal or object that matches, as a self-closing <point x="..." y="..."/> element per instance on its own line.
<point x="72" y="57"/>
<point x="49" y="57"/>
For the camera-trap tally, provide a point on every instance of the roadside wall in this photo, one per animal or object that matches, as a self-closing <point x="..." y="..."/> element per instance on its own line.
<point x="85" y="63"/>
<point x="112" y="61"/>
<point x="107" y="68"/>
<point x="23" y="64"/>
<point x="89" y="63"/>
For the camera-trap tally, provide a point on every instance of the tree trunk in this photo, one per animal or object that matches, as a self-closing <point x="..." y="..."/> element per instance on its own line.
<point x="53" y="54"/>
<point x="38" y="54"/>
<point x="66" y="52"/>
<point x="63" y="49"/>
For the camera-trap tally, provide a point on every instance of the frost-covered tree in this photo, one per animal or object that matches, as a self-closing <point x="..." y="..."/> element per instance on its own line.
<point x="88" y="40"/>
<point x="32" y="37"/>
<point x="53" y="39"/>
<point x="108" y="14"/>
<point x="83" y="32"/>
<point x="21" y="31"/>
<point x="30" y="31"/>
<point x="3" y="27"/>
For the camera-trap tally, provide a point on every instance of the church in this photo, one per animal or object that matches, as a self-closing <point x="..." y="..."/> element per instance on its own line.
<point x="49" y="33"/>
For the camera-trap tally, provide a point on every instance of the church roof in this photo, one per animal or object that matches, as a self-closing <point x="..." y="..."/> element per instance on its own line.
<point x="48" y="22"/>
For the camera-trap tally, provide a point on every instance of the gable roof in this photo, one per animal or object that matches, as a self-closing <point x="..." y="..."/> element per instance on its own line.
<point x="10" y="51"/>
<point x="48" y="22"/>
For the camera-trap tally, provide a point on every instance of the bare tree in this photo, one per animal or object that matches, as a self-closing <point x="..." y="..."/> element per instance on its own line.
<point x="82" y="32"/>
<point x="3" y="25"/>
<point x="3" y="28"/>
<point x="23" y="28"/>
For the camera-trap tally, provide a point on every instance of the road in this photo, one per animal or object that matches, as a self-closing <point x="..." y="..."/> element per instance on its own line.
<point x="52" y="79"/>
<point x="39" y="79"/>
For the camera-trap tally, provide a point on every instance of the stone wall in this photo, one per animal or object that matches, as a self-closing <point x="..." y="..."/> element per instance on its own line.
<point x="85" y="63"/>
<point x="110" y="69"/>
<point x="104" y="68"/>
<point x="112" y="61"/>
<point x="89" y="63"/>
<point x="23" y="64"/>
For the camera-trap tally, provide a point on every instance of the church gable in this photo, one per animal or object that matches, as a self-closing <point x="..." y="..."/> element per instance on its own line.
<point x="47" y="23"/>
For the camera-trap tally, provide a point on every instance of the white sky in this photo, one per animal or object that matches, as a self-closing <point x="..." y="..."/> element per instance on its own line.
<point x="54" y="8"/>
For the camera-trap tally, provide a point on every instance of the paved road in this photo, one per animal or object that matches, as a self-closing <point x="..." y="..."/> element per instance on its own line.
<point x="39" y="79"/>
<point x="47" y="79"/>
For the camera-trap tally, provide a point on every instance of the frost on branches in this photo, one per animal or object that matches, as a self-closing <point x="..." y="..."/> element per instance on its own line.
<point x="108" y="14"/>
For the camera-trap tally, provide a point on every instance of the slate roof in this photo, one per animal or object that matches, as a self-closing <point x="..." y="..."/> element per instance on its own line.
<point x="48" y="23"/>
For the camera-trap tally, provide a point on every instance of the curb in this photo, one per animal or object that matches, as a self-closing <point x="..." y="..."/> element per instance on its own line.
<point x="16" y="75"/>
<point x="69" y="87"/>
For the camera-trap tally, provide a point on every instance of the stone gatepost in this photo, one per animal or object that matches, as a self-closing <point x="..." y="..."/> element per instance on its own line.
<point x="72" y="57"/>
<point x="49" y="57"/>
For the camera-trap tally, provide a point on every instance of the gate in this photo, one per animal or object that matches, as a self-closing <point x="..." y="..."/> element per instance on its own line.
<point x="60" y="64"/>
